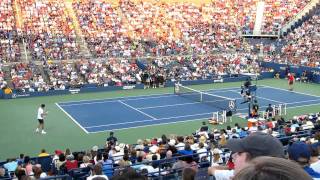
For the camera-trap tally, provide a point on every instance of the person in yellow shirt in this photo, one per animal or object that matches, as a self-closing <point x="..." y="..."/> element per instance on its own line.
<point x="43" y="153"/>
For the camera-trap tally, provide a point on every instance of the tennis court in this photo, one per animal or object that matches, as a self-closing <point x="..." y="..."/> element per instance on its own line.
<point x="139" y="111"/>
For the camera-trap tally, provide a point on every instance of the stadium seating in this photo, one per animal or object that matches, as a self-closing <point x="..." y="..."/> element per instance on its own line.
<point x="167" y="166"/>
<point x="48" y="30"/>
<point x="9" y="47"/>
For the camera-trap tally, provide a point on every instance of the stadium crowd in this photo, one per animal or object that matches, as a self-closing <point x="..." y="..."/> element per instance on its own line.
<point x="114" y="72"/>
<point x="278" y="13"/>
<point x="303" y="44"/>
<point x="48" y="30"/>
<point x="9" y="48"/>
<point x="206" y="149"/>
<point x="168" y="33"/>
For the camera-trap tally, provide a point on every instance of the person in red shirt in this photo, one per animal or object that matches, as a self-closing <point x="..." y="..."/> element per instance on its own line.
<point x="290" y="81"/>
<point x="71" y="163"/>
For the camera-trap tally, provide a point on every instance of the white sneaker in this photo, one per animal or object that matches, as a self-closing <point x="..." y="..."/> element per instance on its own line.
<point x="43" y="132"/>
<point x="37" y="130"/>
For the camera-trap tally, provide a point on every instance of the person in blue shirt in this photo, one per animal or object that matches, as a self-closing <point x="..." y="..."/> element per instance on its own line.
<point x="11" y="165"/>
<point x="300" y="153"/>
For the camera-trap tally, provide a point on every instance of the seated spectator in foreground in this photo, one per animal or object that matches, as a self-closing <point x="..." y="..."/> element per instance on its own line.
<point x="107" y="165"/>
<point x="267" y="168"/>
<point x="189" y="174"/>
<point x="71" y="163"/>
<point x="314" y="160"/>
<point x="60" y="162"/>
<point x="86" y="162"/>
<point x="11" y="165"/>
<point x="27" y="165"/>
<point x="129" y="173"/>
<point x="300" y="153"/>
<point x="187" y="150"/>
<point x="37" y="172"/>
<point x="20" y="173"/>
<point x="97" y="173"/>
<point x="203" y="130"/>
<point x="2" y="173"/>
<point x="43" y="153"/>
<point x="244" y="150"/>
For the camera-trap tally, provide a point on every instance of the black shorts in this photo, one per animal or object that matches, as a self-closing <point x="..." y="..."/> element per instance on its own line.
<point x="290" y="82"/>
<point x="40" y="121"/>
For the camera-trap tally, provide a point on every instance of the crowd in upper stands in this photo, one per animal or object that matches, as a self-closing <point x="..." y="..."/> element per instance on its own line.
<point x="9" y="48"/>
<point x="168" y="155"/>
<point x="113" y="72"/>
<point x="278" y="13"/>
<point x="303" y="44"/>
<point x="48" y="30"/>
<point x="133" y="28"/>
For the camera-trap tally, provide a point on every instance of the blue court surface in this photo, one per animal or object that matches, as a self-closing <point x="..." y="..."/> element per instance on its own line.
<point x="139" y="111"/>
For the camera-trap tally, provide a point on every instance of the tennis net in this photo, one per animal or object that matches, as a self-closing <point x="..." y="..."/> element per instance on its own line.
<point x="220" y="102"/>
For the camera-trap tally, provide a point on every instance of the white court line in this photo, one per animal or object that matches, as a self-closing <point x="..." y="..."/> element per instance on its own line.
<point x="222" y="89"/>
<point x="304" y="101"/>
<point x="118" y="99"/>
<point x="303" y="106"/>
<point x="136" y="109"/>
<point x="130" y="98"/>
<point x="268" y="99"/>
<point x="106" y="99"/>
<point x="153" y="125"/>
<point x="182" y="104"/>
<point x="72" y="118"/>
<point x="182" y="121"/>
<point x="290" y="91"/>
<point x="148" y="120"/>
<point x="138" y="96"/>
<point x="174" y="117"/>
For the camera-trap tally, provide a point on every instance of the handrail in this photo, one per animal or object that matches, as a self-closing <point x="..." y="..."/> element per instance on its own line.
<point x="299" y="15"/>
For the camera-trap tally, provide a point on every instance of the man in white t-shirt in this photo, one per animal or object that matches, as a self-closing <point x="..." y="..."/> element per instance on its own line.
<point x="40" y="116"/>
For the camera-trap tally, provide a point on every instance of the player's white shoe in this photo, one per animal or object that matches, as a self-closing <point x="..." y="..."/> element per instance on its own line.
<point x="43" y="132"/>
<point x="37" y="130"/>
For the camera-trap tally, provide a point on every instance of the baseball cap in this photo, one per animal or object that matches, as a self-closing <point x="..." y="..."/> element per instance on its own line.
<point x="58" y="152"/>
<point x="257" y="144"/>
<point x="299" y="150"/>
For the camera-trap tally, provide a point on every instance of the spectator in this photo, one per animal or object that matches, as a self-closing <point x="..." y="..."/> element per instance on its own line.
<point x="71" y="163"/>
<point x="60" y="162"/>
<point x="86" y="162"/>
<point x="300" y="153"/>
<point x="11" y="165"/>
<point x="314" y="160"/>
<point x="2" y="173"/>
<point x="28" y="165"/>
<point x="111" y="140"/>
<point x="37" y="172"/>
<point x="189" y="174"/>
<point x="266" y="168"/>
<point x="96" y="172"/>
<point x="255" y="145"/>
<point x="43" y="153"/>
